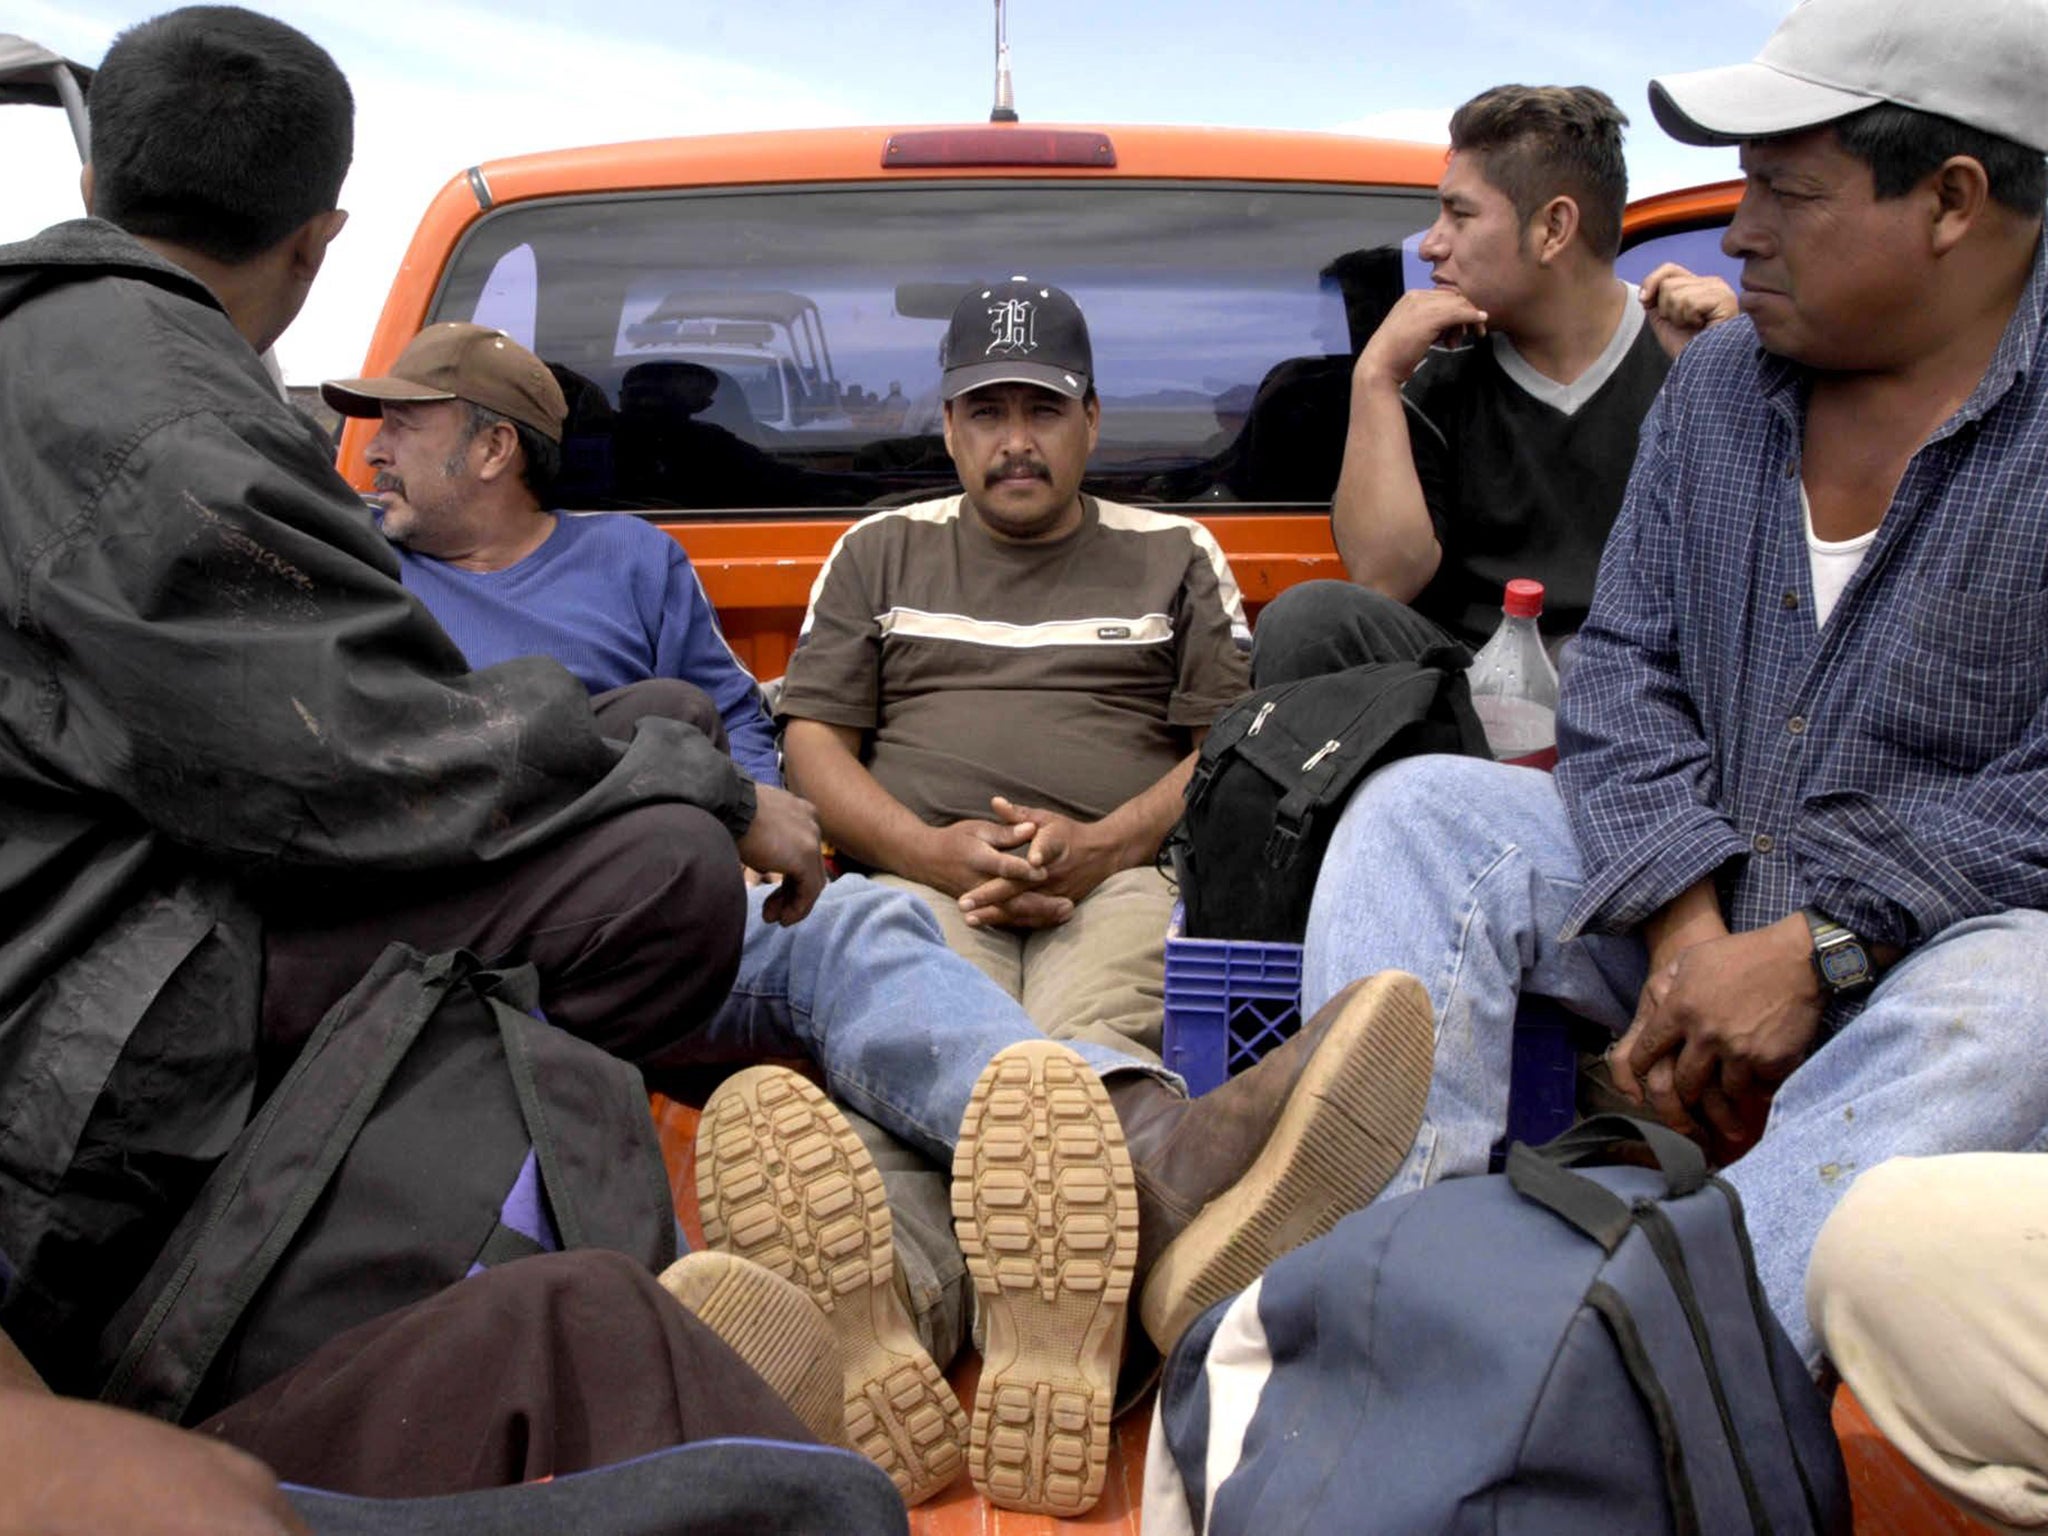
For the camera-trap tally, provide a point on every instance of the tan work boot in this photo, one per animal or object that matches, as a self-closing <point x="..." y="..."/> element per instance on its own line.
<point x="783" y="1180"/>
<point x="1278" y="1154"/>
<point x="1048" y="1218"/>
<point x="773" y="1326"/>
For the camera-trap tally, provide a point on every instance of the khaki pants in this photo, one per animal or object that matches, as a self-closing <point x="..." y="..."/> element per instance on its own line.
<point x="1100" y="976"/>
<point x="1929" y="1289"/>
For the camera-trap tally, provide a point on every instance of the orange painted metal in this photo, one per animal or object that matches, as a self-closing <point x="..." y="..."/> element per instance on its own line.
<point x="822" y="156"/>
<point x="675" y="1127"/>
<point x="1709" y="204"/>
<point x="1891" y="1498"/>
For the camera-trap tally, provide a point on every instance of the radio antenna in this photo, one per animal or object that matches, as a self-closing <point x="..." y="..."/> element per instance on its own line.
<point x="1005" y="109"/>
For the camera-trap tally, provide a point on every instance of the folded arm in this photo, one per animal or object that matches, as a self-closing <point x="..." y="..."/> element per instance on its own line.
<point x="1380" y="517"/>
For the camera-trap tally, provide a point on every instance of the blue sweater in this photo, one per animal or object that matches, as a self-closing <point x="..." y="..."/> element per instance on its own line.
<point x="614" y="600"/>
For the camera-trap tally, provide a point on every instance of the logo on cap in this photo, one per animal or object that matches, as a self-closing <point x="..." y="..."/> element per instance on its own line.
<point x="1019" y="332"/>
<point x="1014" y="324"/>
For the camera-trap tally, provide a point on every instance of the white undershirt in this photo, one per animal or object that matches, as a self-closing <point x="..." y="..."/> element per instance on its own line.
<point x="1833" y="564"/>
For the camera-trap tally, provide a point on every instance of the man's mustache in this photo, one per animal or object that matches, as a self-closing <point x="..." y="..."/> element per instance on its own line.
<point x="390" y="483"/>
<point x="1028" y="466"/>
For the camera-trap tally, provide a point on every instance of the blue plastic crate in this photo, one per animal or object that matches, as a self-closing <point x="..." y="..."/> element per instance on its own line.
<point x="1229" y="1001"/>
<point x="1543" y="1101"/>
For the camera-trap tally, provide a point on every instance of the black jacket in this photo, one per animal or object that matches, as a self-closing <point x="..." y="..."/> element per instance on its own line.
<point x="213" y="691"/>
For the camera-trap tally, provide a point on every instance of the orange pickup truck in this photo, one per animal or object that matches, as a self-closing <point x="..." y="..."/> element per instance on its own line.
<point x="747" y="327"/>
<point x="747" y="331"/>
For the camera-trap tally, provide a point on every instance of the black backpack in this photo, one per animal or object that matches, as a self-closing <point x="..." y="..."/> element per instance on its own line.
<point x="433" y="1124"/>
<point x="1551" y="1351"/>
<point x="1275" y="772"/>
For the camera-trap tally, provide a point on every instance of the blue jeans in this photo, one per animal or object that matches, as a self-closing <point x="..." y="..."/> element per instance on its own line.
<point x="1461" y="872"/>
<point x="866" y="987"/>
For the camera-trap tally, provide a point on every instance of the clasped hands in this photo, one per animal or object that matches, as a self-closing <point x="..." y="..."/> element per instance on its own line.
<point x="1026" y="868"/>
<point x="1720" y="1023"/>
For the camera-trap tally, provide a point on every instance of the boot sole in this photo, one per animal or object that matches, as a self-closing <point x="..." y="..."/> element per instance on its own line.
<point x="1345" y="1129"/>
<point x="783" y="1180"/>
<point x="1047" y="1214"/>
<point x="773" y="1326"/>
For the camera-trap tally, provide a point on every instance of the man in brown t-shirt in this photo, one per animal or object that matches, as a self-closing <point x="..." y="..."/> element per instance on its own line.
<point x="997" y="695"/>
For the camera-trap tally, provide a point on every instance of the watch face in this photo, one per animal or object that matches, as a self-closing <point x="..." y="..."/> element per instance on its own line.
<point x="1844" y="965"/>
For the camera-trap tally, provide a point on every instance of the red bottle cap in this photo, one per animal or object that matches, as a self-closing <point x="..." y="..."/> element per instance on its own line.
<point x="1524" y="599"/>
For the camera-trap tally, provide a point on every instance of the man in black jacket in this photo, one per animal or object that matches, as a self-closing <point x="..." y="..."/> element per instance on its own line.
<point x="236" y="759"/>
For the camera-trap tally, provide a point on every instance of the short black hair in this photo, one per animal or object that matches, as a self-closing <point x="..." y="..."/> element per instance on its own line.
<point x="219" y="130"/>
<point x="1536" y="142"/>
<point x="1903" y="146"/>
<point x="540" y="457"/>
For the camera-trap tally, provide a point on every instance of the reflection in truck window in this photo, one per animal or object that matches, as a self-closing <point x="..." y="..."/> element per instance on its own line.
<point x="784" y="344"/>
<point x="509" y="296"/>
<point x="1697" y="250"/>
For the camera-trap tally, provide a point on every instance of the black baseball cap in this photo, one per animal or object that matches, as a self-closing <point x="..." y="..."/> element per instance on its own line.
<point x="1019" y="332"/>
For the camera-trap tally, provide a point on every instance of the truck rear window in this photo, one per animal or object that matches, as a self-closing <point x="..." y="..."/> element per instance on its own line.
<point x="778" y="349"/>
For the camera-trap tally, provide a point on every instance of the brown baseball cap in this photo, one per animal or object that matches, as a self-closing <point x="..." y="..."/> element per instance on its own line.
<point x="460" y="361"/>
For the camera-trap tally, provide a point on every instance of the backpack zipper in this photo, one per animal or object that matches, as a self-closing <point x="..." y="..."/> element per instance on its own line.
<point x="1320" y="753"/>
<point x="1259" y="719"/>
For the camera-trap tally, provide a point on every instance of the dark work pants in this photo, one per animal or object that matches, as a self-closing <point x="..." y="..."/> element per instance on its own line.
<point x="1319" y="627"/>
<point x="633" y="923"/>
<point x="539" y="1368"/>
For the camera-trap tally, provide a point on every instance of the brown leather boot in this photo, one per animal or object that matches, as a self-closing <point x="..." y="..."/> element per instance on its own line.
<point x="1276" y="1155"/>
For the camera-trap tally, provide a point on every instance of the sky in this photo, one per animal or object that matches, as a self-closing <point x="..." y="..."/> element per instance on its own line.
<point x="439" y="87"/>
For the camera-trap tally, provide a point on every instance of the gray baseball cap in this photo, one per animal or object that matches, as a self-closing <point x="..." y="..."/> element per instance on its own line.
<point x="1981" y="62"/>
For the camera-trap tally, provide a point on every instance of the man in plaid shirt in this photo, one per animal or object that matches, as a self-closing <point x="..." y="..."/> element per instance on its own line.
<point x="1796" y="849"/>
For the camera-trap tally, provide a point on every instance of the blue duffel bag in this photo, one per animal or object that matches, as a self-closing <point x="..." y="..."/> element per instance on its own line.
<point x="1549" y="1351"/>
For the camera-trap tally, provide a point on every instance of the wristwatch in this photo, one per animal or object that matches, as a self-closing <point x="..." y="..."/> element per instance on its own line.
<point x="1840" y="958"/>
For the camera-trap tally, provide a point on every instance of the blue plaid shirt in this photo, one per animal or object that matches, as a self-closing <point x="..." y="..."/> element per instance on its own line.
<point x="1889" y="767"/>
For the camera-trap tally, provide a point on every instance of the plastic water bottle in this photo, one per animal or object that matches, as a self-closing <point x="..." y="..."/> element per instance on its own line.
<point x="1514" y="685"/>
